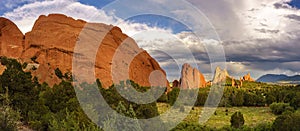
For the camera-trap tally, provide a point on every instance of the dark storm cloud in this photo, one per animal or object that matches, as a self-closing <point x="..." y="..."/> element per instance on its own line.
<point x="266" y="31"/>
<point x="293" y="17"/>
<point x="281" y="6"/>
<point x="263" y="50"/>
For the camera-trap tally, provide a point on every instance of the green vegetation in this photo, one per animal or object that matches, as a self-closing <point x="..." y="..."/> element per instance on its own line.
<point x="251" y="94"/>
<point x="279" y="108"/>
<point x="237" y="120"/>
<point x="121" y="123"/>
<point x="8" y="117"/>
<point x="254" y="116"/>
<point x="287" y="122"/>
<point x="24" y="101"/>
<point x="58" y="73"/>
<point x="57" y="108"/>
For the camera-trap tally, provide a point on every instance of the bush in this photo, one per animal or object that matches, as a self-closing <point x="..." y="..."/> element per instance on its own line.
<point x="58" y="73"/>
<point x="296" y="101"/>
<point x="33" y="58"/>
<point x="279" y="108"/>
<point x="237" y="120"/>
<point x="263" y="127"/>
<point x="289" y="122"/>
<point x="185" y="126"/>
<point x="172" y="96"/>
<point x="22" y="89"/>
<point x="8" y="117"/>
<point x="163" y="98"/>
<point x="122" y="123"/>
<point x="237" y="98"/>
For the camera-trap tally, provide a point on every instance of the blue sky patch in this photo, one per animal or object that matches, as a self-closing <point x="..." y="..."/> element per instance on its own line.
<point x="295" y="3"/>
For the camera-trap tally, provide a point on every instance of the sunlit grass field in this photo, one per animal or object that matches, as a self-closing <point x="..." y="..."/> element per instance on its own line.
<point x="253" y="115"/>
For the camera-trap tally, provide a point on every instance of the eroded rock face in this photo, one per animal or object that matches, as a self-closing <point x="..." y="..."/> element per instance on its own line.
<point x="220" y="76"/>
<point x="11" y="39"/>
<point x="248" y="77"/>
<point x="191" y="77"/>
<point x="51" y="43"/>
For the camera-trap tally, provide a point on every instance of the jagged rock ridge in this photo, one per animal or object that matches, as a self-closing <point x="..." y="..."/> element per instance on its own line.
<point x="220" y="76"/>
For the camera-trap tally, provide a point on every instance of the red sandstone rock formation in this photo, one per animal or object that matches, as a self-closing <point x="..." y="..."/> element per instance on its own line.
<point x="220" y="76"/>
<point x="51" y="43"/>
<point x="248" y="77"/>
<point x="209" y="83"/>
<point x="191" y="77"/>
<point x="175" y="83"/>
<point x="11" y="39"/>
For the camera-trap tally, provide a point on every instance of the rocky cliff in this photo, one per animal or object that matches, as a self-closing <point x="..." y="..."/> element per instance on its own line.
<point x="220" y="76"/>
<point x="50" y="45"/>
<point x="11" y="39"/>
<point x="191" y="77"/>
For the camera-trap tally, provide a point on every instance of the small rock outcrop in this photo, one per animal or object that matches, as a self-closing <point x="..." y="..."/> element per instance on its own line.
<point x="248" y="77"/>
<point x="220" y="76"/>
<point x="191" y="78"/>
<point x="175" y="83"/>
<point x="209" y="83"/>
<point x="236" y="83"/>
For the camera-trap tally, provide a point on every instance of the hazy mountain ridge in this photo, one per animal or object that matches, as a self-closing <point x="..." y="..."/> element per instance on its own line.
<point x="279" y="78"/>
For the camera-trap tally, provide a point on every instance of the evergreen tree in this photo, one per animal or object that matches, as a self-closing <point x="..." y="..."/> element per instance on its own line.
<point x="237" y="120"/>
<point x="114" y="124"/>
<point x="8" y="117"/>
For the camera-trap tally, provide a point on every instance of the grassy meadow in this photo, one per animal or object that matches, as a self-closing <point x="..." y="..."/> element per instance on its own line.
<point x="253" y="115"/>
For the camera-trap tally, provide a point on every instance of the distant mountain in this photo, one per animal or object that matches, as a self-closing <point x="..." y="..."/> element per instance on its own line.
<point x="292" y="78"/>
<point x="274" y="78"/>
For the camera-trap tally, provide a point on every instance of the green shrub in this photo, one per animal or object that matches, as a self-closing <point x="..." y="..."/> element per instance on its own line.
<point x="58" y="73"/>
<point x="237" y="98"/>
<point x="295" y="102"/>
<point x="289" y="122"/>
<point x="185" y="126"/>
<point x="163" y="98"/>
<point x="237" y="120"/>
<point x="33" y="58"/>
<point x="122" y="123"/>
<point x="9" y="118"/>
<point x="263" y="127"/>
<point x="172" y="96"/>
<point x="279" y="108"/>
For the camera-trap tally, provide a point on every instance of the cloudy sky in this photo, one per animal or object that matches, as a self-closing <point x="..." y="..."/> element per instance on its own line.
<point x="256" y="36"/>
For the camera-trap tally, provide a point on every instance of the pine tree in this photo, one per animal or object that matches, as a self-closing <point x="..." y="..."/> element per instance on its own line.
<point x="8" y="117"/>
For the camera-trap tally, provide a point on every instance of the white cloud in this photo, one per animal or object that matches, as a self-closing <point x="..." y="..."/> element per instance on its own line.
<point x="251" y="31"/>
<point x="26" y="15"/>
